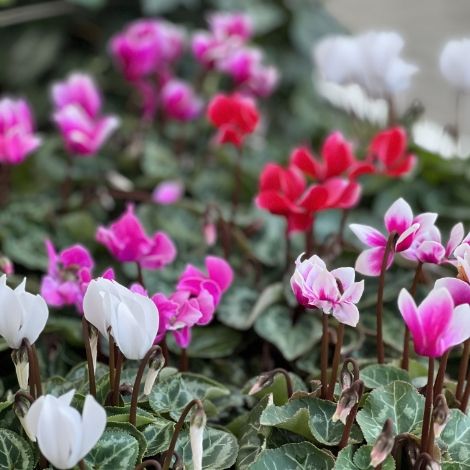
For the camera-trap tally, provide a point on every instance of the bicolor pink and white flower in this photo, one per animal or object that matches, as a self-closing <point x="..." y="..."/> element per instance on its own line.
<point x="334" y="292"/>
<point x="127" y="241"/>
<point x="231" y="24"/>
<point x="399" y="223"/>
<point x="17" y="134"/>
<point x="436" y="325"/>
<point x="78" y="115"/>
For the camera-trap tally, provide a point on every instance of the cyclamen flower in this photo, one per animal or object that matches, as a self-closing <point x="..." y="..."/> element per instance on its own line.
<point x="179" y="101"/>
<point x="62" y="285"/>
<point x="399" y="221"/>
<point x="284" y="191"/>
<point x="127" y="241"/>
<point x="52" y="420"/>
<point x="17" y="134"/>
<point x="22" y="315"/>
<point x="436" y="325"/>
<point x="334" y="292"/>
<point x="337" y="159"/>
<point x="234" y="116"/>
<point x="453" y="65"/>
<point x="231" y="24"/>
<point x="78" y="115"/>
<point x="168" y="192"/>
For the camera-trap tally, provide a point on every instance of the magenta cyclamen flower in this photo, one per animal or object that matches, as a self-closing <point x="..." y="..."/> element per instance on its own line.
<point x="436" y="325"/>
<point x="334" y="292"/>
<point x="427" y="245"/>
<point x="62" y="285"/>
<point x="231" y="24"/>
<point x="399" y="222"/>
<point x="179" y="101"/>
<point x="17" y="137"/>
<point x="218" y="279"/>
<point x="78" y="115"/>
<point x="127" y="241"/>
<point x="168" y="192"/>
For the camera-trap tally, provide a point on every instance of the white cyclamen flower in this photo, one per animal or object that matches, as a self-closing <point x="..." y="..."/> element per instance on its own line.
<point x="133" y="318"/>
<point x="22" y="315"/>
<point x="196" y="435"/>
<point x="454" y="64"/>
<point x="64" y="436"/>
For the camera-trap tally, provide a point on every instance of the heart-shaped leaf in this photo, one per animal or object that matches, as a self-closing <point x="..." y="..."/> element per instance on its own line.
<point x="378" y="375"/>
<point x="158" y="436"/>
<point x="456" y="437"/>
<point x="351" y="459"/>
<point x="15" y="451"/>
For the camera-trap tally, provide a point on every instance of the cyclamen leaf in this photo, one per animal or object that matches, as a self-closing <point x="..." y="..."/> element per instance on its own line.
<point x="378" y="375"/>
<point x="399" y="401"/>
<point x="351" y="459"/>
<point x="158" y="436"/>
<point x="15" y="451"/>
<point x="456" y="437"/>
<point x="301" y="456"/>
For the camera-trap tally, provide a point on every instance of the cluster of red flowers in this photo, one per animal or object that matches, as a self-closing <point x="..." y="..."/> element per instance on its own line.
<point x="285" y="191"/>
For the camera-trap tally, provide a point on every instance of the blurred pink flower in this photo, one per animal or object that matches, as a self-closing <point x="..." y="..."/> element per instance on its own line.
<point x="172" y="41"/>
<point x="436" y="325"/>
<point x="62" y="284"/>
<point x="231" y="24"/>
<point x="6" y="266"/>
<point x="78" y="106"/>
<point x="399" y="221"/>
<point x="168" y="192"/>
<point x="17" y="137"/>
<point x="332" y="292"/>
<point x="127" y="241"/>
<point x="179" y="101"/>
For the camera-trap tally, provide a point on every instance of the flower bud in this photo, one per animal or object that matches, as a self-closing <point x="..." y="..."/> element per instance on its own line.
<point x="440" y="415"/>
<point x="196" y="434"/>
<point x="346" y="377"/>
<point x="156" y="364"/>
<point x="263" y="381"/>
<point x="347" y="401"/>
<point x="383" y="445"/>
<point x="21" y="406"/>
<point x="21" y="362"/>
<point x="6" y="266"/>
<point x="210" y="233"/>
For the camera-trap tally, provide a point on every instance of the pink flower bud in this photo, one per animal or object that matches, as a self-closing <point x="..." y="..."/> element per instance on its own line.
<point x="347" y="401"/>
<point x="383" y="445"/>
<point x="6" y="266"/>
<point x="210" y="233"/>
<point x="168" y="192"/>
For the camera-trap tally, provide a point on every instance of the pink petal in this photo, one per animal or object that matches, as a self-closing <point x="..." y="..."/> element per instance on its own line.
<point x="220" y="272"/>
<point x="455" y="238"/>
<point x="345" y="276"/>
<point x="346" y="313"/>
<point x="398" y="217"/>
<point x="354" y="293"/>
<point x="369" y="262"/>
<point x="183" y="337"/>
<point x="168" y="192"/>
<point x="458" y="289"/>
<point x="430" y="252"/>
<point x="406" y="238"/>
<point x="368" y="235"/>
<point x="425" y="220"/>
<point x="409" y="312"/>
<point x="324" y="286"/>
<point x="458" y="329"/>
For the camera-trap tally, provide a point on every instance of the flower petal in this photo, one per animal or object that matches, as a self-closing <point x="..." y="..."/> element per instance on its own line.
<point x="368" y="235"/>
<point x="458" y="289"/>
<point x="458" y="329"/>
<point x="369" y="262"/>
<point x="398" y="217"/>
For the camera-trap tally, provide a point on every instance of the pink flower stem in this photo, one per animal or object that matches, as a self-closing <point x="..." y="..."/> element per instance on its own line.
<point x="336" y="360"/>
<point x="309" y="241"/>
<point x="117" y="377"/>
<point x="441" y="374"/>
<point x="164" y="347"/>
<point x="184" y="361"/>
<point x="463" y="369"/>
<point x="140" y="274"/>
<point x="34" y="377"/>
<point x="324" y="357"/>
<point x="176" y="432"/>
<point x="466" y="395"/>
<point x="138" y="380"/>
<point x="428" y="406"/>
<point x="91" y="370"/>
<point x="405" y="362"/>
<point x="342" y="226"/>
<point x="380" y="300"/>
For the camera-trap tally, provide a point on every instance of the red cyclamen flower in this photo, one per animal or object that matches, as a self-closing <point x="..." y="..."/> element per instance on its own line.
<point x="234" y="116"/>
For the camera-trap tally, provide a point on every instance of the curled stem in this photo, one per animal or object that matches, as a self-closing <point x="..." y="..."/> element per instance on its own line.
<point x="350" y="419"/>
<point x="138" y="380"/>
<point x="279" y="370"/>
<point x="336" y="360"/>
<point x="89" y="358"/>
<point x="380" y="299"/>
<point x="324" y="356"/>
<point x="178" y="427"/>
<point x="405" y="363"/>
<point x="463" y="369"/>
<point x="428" y="406"/>
<point x="149" y="464"/>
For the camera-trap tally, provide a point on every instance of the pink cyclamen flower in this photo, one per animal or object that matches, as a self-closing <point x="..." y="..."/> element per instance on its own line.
<point x="168" y="192"/>
<point x="78" y="115"/>
<point x="436" y="325"/>
<point x="179" y="101"/>
<point x="334" y="292"/>
<point x="210" y="286"/>
<point x="231" y="24"/>
<point x="178" y="314"/>
<point x="427" y="245"/>
<point x="400" y="223"/>
<point x="17" y="137"/>
<point x="62" y="285"/>
<point x="127" y="241"/>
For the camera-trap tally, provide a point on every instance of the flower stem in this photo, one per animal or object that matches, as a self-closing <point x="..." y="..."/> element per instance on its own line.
<point x="463" y="369"/>
<point x="91" y="370"/>
<point x="164" y="347"/>
<point x="38" y="372"/>
<point x="466" y="395"/>
<point x="309" y="241"/>
<point x="184" y="361"/>
<point x="428" y="406"/>
<point x="280" y="370"/>
<point x="350" y="419"/>
<point x="336" y="360"/>
<point x="287" y="248"/>
<point x="117" y="378"/>
<point x="380" y="300"/>
<point x="324" y="356"/>
<point x="178" y="427"/>
<point x="140" y="274"/>
<point x="237" y="183"/>
<point x="33" y="373"/>
<point x="81" y="465"/>
<point x="149" y="464"/>
<point x="138" y="381"/>
<point x="111" y="361"/>
<point x="441" y="374"/>
<point x="405" y="362"/>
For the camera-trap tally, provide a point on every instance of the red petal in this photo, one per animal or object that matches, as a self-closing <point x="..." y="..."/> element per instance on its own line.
<point x="337" y="154"/>
<point x="275" y="203"/>
<point x="314" y="199"/>
<point x="271" y="177"/>
<point x="299" y="222"/>
<point x="389" y="145"/>
<point x="305" y="161"/>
